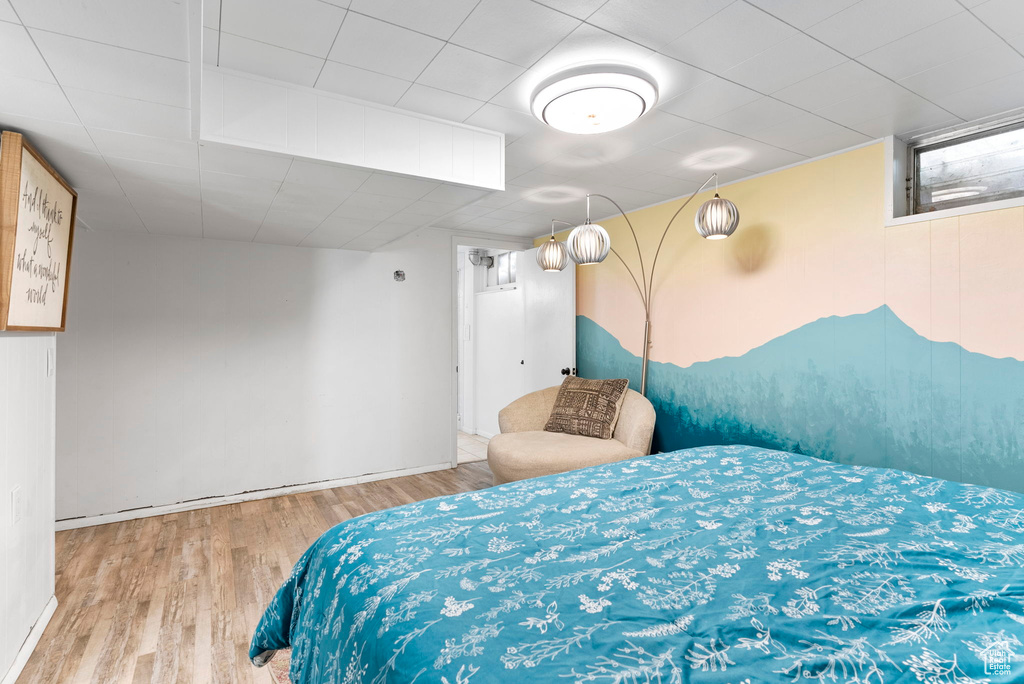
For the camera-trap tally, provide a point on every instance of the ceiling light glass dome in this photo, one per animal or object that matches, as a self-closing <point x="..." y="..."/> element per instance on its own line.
<point x="594" y="99"/>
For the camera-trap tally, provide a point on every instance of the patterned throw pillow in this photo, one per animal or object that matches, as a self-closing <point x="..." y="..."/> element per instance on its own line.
<point x="587" y="407"/>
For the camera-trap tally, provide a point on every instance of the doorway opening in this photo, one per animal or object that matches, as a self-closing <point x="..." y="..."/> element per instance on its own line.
<point x="490" y="354"/>
<point x="515" y="333"/>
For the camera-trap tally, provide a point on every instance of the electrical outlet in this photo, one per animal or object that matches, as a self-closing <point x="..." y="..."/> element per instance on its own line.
<point x="17" y="505"/>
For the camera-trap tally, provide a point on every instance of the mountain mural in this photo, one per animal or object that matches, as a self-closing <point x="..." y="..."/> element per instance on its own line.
<point x="863" y="389"/>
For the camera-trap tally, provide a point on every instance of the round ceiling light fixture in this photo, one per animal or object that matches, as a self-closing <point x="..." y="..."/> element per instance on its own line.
<point x="594" y="99"/>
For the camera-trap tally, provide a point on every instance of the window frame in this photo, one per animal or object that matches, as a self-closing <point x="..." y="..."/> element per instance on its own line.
<point x="956" y="137"/>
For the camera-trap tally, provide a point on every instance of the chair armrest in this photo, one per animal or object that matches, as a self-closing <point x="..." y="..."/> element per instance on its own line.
<point x="528" y="413"/>
<point x="635" y="427"/>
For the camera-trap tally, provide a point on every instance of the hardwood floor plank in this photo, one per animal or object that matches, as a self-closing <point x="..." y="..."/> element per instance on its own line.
<point x="175" y="598"/>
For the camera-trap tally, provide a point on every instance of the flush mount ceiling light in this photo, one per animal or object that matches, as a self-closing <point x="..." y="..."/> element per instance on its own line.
<point x="594" y="99"/>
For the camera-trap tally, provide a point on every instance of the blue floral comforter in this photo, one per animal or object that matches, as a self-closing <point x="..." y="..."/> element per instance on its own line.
<point x="724" y="564"/>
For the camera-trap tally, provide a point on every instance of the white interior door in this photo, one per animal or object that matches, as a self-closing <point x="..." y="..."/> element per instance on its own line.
<point x="549" y="312"/>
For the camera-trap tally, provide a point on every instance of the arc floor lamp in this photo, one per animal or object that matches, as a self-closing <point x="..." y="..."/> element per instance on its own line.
<point x="589" y="243"/>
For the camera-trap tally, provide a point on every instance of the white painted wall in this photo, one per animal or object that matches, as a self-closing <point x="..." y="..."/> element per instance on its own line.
<point x="27" y="462"/>
<point x="195" y="368"/>
<point x="498" y="376"/>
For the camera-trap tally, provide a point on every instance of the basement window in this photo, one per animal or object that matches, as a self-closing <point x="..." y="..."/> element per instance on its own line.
<point x="984" y="166"/>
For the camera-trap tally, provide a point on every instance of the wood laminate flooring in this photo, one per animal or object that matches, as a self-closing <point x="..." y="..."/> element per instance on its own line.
<point x="175" y="598"/>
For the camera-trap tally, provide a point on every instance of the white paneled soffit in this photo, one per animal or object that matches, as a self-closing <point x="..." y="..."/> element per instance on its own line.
<point x="273" y="116"/>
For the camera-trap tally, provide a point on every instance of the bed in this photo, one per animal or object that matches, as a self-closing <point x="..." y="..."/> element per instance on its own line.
<point x="729" y="564"/>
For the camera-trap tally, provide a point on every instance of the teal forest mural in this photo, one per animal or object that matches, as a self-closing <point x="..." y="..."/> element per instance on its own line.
<point x="862" y="389"/>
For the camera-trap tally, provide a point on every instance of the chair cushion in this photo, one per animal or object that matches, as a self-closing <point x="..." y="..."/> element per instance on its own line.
<point x="587" y="407"/>
<point x="519" y="455"/>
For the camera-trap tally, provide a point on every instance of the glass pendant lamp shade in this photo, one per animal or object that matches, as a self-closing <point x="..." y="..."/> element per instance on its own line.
<point x="588" y="244"/>
<point x="717" y="218"/>
<point x="552" y="256"/>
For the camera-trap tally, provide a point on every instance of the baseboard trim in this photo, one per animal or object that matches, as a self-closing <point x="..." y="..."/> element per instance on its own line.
<point x="485" y="435"/>
<point x="34" y="634"/>
<point x="210" y="502"/>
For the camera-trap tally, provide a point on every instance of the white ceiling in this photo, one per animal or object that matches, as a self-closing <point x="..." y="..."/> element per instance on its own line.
<point x="103" y="88"/>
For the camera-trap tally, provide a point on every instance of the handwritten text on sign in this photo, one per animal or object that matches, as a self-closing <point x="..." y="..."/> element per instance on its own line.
<point x="40" y="248"/>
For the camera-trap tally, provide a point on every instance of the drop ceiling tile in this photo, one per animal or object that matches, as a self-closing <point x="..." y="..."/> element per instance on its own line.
<point x="176" y="220"/>
<point x="482" y="223"/>
<point x="19" y="56"/>
<point x="301" y="25"/>
<point x="450" y="222"/>
<point x="271" y="61"/>
<point x="151" y="173"/>
<point x="409" y="219"/>
<point x="581" y="9"/>
<point x="998" y="58"/>
<point x="283" y="229"/>
<point x="34" y="99"/>
<point x="886" y="99"/>
<point x="86" y="171"/>
<point x="751" y="155"/>
<point x="238" y="161"/>
<point x="1005" y="17"/>
<point x="397" y="186"/>
<point x="439" y="103"/>
<point x="309" y="200"/>
<point x="651" y="159"/>
<point x="147" y="148"/>
<point x="516" y="31"/>
<point x="803" y="126"/>
<point x="945" y="41"/>
<point x="784" y="64"/>
<point x="109" y="213"/>
<point x="994" y="97"/>
<point x="431" y="209"/>
<point x="128" y="115"/>
<point x="333" y="236"/>
<point x="870" y="24"/>
<point x="530" y="151"/>
<point x="506" y="214"/>
<point x="383" y="202"/>
<point x="513" y="123"/>
<point x="159" y="28"/>
<point x="755" y="116"/>
<point x="468" y="73"/>
<point x="654" y="23"/>
<point x="803" y="13"/>
<point x="672" y="76"/>
<point x="220" y="224"/>
<point x="421" y="15"/>
<point x="695" y="139"/>
<point x="211" y="14"/>
<point x="261" y="191"/>
<point x="848" y="80"/>
<point x="360" y="83"/>
<point x="710" y="99"/>
<point x="832" y="142"/>
<point x="54" y="139"/>
<point x="365" y="243"/>
<point x="909" y="122"/>
<point x="327" y="176"/>
<point x="211" y="46"/>
<point x="733" y="35"/>
<point x="7" y="12"/>
<point x="115" y="71"/>
<point x="351" y="211"/>
<point x="372" y="44"/>
<point x="453" y="194"/>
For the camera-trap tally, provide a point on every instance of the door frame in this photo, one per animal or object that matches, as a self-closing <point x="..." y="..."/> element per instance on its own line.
<point x="507" y="242"/>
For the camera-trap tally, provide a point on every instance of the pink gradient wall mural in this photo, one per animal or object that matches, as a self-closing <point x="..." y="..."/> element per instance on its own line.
<point x="818" y="329"/>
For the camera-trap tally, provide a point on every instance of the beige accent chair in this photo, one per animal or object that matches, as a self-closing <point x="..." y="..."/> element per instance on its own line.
<point x="524" y="449"/>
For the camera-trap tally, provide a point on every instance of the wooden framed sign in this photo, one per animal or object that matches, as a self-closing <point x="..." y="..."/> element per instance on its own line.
<point x="37" y="225"/>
